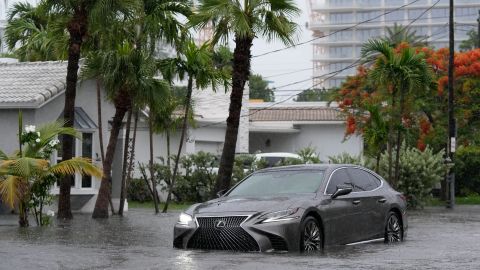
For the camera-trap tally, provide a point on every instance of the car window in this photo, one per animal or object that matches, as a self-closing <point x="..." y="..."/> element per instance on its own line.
<point x="339" y="177"/>
<point x="362" y="180"/>
<point x="279" y="182"/>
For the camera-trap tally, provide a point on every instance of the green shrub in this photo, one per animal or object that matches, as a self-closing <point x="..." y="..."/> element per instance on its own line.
<point x="419" y="173"/>
<point x="197" y="179"/>
<point x="345" y="158"/>
<point x="138" y="191"/>
<point x="309" y="155"/>
<point x="467" y="170"/>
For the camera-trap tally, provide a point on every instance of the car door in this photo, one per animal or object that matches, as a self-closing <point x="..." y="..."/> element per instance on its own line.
<point x="342" y="212"/>
<point x="371" y="203"/>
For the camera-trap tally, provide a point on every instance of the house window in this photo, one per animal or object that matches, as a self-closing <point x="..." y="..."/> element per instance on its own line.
<point x="87" y="152"/>
<point x="60" y="158"/>
<point x="83" y="148"/>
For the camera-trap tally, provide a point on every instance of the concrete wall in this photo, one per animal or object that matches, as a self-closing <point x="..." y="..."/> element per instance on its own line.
<point x="327" y="139"/>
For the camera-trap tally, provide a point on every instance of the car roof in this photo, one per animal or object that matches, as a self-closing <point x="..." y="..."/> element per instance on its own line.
<point x="320" y="167"/>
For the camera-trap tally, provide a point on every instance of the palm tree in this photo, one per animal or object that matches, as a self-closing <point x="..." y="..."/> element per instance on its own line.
<point x="245" y="20"/>
<point x="79" y="18"/>
<point x="399" y="73"/>
<point x="32" y="36"/>
<point x="197" y="64"/>
<point x="127" y="73"/>
<point x="28" y="168"/>
<point x="376" y="133"/>
<point x="398" y="33"/>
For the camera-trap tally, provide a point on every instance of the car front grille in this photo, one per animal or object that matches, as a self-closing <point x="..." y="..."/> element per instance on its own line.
<point x="228" y="236"/>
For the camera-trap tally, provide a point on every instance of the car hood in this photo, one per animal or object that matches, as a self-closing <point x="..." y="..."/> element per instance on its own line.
<point x="252" y="204"/>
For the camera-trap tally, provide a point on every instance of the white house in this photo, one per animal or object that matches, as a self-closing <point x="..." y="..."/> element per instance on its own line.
<point x="289" y="127"/>
<point x="37" y="89"/>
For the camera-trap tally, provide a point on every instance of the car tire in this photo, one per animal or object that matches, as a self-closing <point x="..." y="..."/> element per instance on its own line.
<point x="311" y="235"/>
<point x="393" y="228"/>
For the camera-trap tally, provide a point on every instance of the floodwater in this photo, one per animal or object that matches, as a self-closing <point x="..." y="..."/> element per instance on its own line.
<point x="437" y="239"/>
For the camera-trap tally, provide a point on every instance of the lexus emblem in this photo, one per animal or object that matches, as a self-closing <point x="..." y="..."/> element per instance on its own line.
<point x="219" y="224"/>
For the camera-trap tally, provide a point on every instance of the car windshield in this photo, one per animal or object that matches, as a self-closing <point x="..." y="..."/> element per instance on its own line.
<point x="279" y="182"/>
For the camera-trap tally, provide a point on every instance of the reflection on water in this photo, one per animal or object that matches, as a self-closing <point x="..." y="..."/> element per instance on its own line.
<point x="142" y="240"/>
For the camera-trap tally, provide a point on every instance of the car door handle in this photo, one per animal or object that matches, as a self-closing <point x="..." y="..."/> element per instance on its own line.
<point x="356" y="202"/>
<point x="382" y="200"/>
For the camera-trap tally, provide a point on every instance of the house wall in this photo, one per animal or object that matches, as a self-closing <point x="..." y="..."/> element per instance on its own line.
<point x="9" y="128"/>
<point x="327" y="139"/>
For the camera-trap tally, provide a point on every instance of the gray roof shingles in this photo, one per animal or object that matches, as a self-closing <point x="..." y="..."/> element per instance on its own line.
<point x="295" y="114"/>
<point x="30" y="84"/>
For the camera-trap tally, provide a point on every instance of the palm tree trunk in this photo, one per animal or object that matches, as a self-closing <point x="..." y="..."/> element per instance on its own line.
<point x="23" y="215"/>
<point x="122" y="104"/>
<point x="150" y="165"/>
<point x="240" y="74"/>
<point x="182" y="138"/>
<point x="77" y="28"/>
<point x="100" y="134"/>
<point x="390" y="141"/>
<point x="125" y="163"/>
<point x="399" y="136"/>
<point x="132" y="154"/>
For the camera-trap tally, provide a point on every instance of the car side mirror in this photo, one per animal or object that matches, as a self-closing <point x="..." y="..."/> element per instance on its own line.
<point x="221" y="193"/>
<point x="341" y="191"/>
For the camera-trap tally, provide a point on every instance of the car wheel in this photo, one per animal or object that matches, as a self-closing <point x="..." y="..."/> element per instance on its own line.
<point x="393" y="229"/>
<point x="311" y="235"/>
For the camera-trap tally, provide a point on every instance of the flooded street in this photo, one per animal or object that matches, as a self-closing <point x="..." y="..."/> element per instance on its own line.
<point x="437" y="239"/>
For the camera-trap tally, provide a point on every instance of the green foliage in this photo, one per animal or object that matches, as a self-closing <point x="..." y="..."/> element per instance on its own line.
<point x="470" y="43"/>
<point x="316" y="95"/>
<point x="345" y="158"/>
<point x="419" y="173"/>
<point x="467" y="172"/>
<point x="198" y="178"/>
<point x="397" y="34"/>
<point x="138" y="191"/>
<point x="259" y="88"/>
<point x="308" y="155"/>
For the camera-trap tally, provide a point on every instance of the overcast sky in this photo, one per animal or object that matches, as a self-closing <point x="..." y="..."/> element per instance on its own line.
<point x="286" y="61"/>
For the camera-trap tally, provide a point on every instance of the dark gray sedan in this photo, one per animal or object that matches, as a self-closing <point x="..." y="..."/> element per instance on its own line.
<point x="297" y="208"/>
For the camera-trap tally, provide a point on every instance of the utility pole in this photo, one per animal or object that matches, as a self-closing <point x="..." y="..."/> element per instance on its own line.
<point x="478" y="30"/>
<point x="451" y="113"/>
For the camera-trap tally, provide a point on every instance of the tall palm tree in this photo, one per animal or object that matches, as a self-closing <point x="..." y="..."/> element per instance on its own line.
<point x="195" y="63"/>
<point x="79" y="17"/>
<point x="244" y="20"/>
<point x="400" y="73"/>
<point x="30" y="166"/>
<point x="127" y="73"/>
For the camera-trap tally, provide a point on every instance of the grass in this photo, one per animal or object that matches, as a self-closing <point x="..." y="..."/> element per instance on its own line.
<point x="149" y="205"/>
<point x="468" y="200"/>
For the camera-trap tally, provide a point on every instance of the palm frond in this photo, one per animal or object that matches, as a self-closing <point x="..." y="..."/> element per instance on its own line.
<point x="25" y="167"/>
<point x="76" y="165"/>
<point x="11" y="190"/>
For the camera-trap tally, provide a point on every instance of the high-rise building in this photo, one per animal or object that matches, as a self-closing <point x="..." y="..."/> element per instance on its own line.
<point x="340" y="29"/>
<point x="5" y="6"/>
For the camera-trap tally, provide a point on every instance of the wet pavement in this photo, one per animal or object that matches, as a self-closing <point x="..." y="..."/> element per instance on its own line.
<point x="437" y="239"/>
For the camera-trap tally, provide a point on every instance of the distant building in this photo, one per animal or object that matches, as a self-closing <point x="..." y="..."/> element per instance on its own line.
<point x="337" y="19"/>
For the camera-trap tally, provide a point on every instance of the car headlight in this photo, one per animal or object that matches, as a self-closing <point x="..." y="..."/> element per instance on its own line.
<point x="280" y="215"/>
<point x="184" y="219"/>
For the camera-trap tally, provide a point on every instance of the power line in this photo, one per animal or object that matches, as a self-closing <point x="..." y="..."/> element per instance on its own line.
<point x="338" y="31"/>
<point x="332" y="74"/>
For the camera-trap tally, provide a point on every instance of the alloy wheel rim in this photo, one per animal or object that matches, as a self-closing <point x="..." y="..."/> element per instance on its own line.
<point x="394" y="231"/>
<point x="312" y="239"/>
